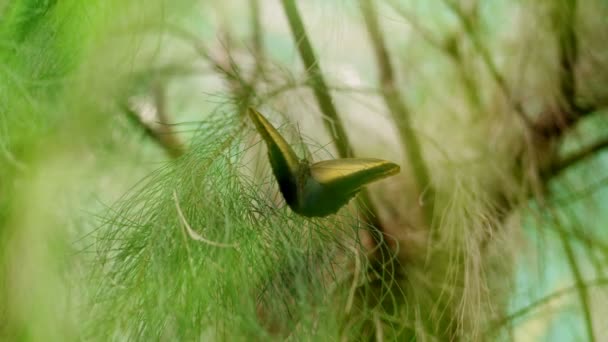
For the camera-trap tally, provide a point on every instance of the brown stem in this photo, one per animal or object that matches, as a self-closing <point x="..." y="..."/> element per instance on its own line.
<point x="580" y="285"/>
<point x="332" y="120"/>
<point x="469" y="28"/>
<point x="398" y="109"/>
<point x="546" y="300"/>
<point x="568" y="49"/>
<point x="162" y="135"/>
<point x="334" y="125"/>
<point x="257" y="37"/>
<point x="574" y="158"/>
<point x="552" y="123"/>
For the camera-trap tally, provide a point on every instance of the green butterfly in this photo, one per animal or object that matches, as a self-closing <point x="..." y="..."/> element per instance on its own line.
<point x="321" y="188"/>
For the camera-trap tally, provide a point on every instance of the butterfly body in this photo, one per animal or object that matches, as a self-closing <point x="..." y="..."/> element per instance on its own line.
<point x="317" y="189"/>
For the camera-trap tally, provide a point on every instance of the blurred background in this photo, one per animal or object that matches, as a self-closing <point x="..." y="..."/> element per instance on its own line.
<point x="137" y="201"/>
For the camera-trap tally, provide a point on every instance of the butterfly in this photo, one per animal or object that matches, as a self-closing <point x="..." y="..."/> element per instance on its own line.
<point x="322" y="188"/>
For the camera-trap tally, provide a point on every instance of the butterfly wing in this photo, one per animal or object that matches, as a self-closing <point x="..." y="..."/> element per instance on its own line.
<point x="352" y="172"/>
<point x="285" y="164"/>
<point x="332" y="183"/>
<point x="322" y="188"/>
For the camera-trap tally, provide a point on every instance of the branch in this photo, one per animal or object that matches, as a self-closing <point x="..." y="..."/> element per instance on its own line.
<point x="568" y="49"/>
<point x="573" y="159"/>
<point x="194" y="235"/>
<point x="450" y="47"/>
<point x="546" y="300"/>
<point x="168" y="137"/>
<point x="163" y="135"/>
<point x="332" y="121"/>
<point x="398" y="109"/>
<point x="580" y="285"/>
<point x="552" y="123"/>
<point x="257" y="37"/>
<point x="224" y="65"/>
<point x="487" y="59"/>
<point x="427" y="35"/>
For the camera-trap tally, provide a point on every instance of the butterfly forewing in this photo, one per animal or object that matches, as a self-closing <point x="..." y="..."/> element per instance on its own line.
<point x="352" y="172"/>
<point x="333" y="183"/>
<point x="278" y="149"/>
<point x="283" y="160"/>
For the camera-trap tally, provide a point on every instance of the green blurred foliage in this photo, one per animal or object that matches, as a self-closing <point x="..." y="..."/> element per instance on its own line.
<point x="94" y="242"/>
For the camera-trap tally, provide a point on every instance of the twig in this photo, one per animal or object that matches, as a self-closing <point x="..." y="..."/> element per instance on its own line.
<point x="353" y="287"/>
<point x="332" y="121"/>
<point x="554" y="123"/>
<point x="227" y="68"/>
<point x="427" y="35"/>
<point x="573" y="159"/>
<point x="546" y="299"/>
<point x="551" y="123"/>
<point x="194" y="235"/>
<point x="450" y="48"/>
<point x="487" y="59"/>
<point x="257" y="38"/>
<point x="580" y="285"/>
<point x="586" y="191"/>
<point x="163" y="134"/>
<point x="169" y="138"/>
<point x="568" y="49"/>
<point x="398" y="109"/>
<point x="378" y="325"/>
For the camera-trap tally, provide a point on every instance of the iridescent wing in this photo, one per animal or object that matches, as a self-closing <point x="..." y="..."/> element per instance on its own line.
<point x="322" y="188"/>
<point x="332" y="183"/>
<point x="283" y="160"/>
<point x="352" y="172"/>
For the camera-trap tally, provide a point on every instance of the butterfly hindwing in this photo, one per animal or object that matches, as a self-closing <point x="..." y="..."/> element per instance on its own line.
<point x="283" y="160"/>
<point x="352" y="172"/>
<point x="333" y="183"/>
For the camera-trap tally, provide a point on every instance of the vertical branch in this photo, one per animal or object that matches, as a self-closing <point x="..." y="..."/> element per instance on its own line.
<point x="568" y="50"/>
<point x="450" y="47"/>
<point x="552" y="122"/>
<point x="159" y="131"/>
<point x="469" y="28"/>
<point x="256" y="26"/>
<point x="580" y="284"/>
<point x="169" y="139"/>
<point x="568" y="54"/>
<point x="257" y="37"/>
<point x="398" y="109"/>
<point x="332" y="121"/>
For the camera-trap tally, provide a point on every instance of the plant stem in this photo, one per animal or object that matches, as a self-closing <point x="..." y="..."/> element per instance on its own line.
<point x="568" y="50"/>
<point x="332" y="121"/>
<point x="257" y="38"/>
<point x="574" y="158"/>
<point x="399" y="111"/>
<point x="163" y="135"/>
<point x="548" y="299"/>
<point x="469" y="28"/>
<point x="580" y="285"/>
